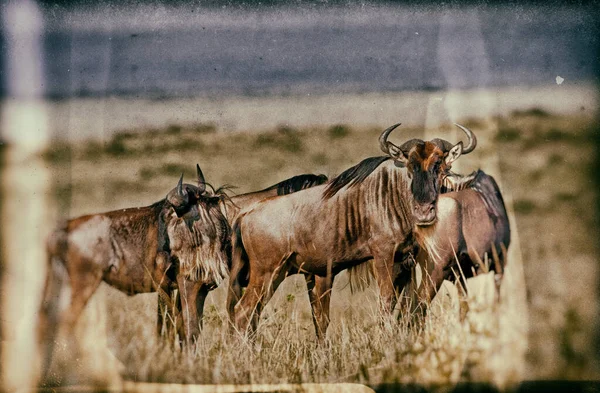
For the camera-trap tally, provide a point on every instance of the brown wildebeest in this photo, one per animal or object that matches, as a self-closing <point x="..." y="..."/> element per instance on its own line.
<point x="367" y="212"/>
<point x="181" y="241"/>
<point x="231" y="206"/>
<point x="471" y="222"/>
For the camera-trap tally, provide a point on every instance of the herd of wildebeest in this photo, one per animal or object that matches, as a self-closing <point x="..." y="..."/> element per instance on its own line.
<point x="389" y="213"/>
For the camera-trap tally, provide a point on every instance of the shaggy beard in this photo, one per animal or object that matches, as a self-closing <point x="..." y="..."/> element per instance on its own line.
<point x="206" y="264"/>
<point x="200" y="248"/>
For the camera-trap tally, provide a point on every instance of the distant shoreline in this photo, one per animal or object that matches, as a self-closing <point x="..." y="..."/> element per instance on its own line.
<point x="100" y="118"/>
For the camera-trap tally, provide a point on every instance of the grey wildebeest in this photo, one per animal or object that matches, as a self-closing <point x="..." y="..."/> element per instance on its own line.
<point x="231" y="206"/>
<point x="471" y="222"/>
<point x="367" y="212"/>
<point x="182" y="241"/>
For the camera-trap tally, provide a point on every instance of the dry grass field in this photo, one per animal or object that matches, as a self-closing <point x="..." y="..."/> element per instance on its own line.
<point x="542" y="329"/>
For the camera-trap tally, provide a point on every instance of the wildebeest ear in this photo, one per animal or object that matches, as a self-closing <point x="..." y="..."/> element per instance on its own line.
<point x="201" y="181"/>
<point x="454" y="153"/>
<point x="397" y="154"/>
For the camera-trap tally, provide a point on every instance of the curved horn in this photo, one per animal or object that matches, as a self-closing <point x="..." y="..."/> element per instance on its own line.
<point x="180" y="186"/>
<point x="472" y="139"/>
<point x="383" y="142"/>
<point x="201" y="181"/>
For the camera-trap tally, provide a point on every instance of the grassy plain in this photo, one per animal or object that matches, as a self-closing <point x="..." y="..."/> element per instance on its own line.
<point x="545" y="164"/>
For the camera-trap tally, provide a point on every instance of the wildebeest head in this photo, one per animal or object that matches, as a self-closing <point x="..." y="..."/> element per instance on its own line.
<point x="184" y="196"/>
<point x="427" y="163"/>
<point x="198" y="232"/>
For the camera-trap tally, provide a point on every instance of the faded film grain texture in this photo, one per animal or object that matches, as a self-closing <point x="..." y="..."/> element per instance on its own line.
<point x="489" y="345"/>
<point x="130" y="96"/>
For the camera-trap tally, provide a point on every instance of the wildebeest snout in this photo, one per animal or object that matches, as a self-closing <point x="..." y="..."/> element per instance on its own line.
<point x="425" y="213"/>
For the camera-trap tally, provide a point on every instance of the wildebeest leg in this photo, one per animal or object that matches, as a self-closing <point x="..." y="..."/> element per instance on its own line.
<point x="238" y="275"/>
<point x="461" y="269"/>
<point x="385" y="281"/>
<point x="246" y="308"/>
<point x="234" y="293"/>
<point x="168" y="306"/>
<point x="461" y="285"/>
<point x="258" y="293"/>
<point x="433" y="277"/>
<point x="405" y="285"/>
<point x="498" y="266"/>
<point x="319" y="293"/>
<point x="465" y="272"/>
<point x="162" y="311"/>
<point x="84" y="282"/>
<point x="272" y="284"/>
<point x="169" y="313"/>
<point x="188" y="292"/>
<point x="50" y="312"/>
<point x="200" y="300"/>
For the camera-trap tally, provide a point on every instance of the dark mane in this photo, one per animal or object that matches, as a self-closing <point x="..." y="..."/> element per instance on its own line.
<point x="297" y="183"/>
<point x="354" y="175"/>
<point x="158" y="205"/>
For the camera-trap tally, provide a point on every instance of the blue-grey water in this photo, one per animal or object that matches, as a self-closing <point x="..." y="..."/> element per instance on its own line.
<point x="157" y="51"/>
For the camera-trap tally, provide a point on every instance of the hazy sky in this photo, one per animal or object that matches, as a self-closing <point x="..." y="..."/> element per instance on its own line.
<point x="151" y="49"/>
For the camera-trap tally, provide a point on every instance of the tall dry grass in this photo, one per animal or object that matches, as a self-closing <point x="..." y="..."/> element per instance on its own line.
<point x="362" y="345"/>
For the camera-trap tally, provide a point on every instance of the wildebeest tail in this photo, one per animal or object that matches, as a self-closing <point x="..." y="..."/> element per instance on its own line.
<point x="360" y="276"/>
<point x="55" y="289"/>
<point x="240" y="269"/>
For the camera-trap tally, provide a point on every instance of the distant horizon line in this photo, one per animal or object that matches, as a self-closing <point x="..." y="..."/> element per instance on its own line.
<point x="157" y="95"/>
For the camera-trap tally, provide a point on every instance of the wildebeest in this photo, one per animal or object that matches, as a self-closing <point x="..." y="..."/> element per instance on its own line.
<point x="231" y="206"/>
<point x="471" y="222"/>
<point x="181" y="241"/>
<point x="367" y="212"/>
